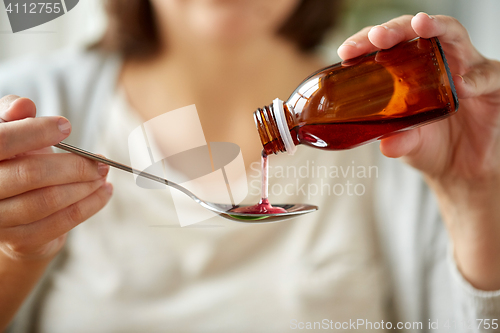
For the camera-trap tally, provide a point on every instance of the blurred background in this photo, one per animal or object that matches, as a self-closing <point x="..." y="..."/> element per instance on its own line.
<point x="86" y="22"/>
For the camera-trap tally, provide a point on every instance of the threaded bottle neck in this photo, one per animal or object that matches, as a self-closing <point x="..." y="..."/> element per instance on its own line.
<point x="275" y="123"/>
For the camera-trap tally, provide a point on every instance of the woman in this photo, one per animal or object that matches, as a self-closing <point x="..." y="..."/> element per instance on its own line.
<point x="119" y="275"/>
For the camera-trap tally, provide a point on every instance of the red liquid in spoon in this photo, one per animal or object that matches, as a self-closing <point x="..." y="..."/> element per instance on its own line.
<point x="263" y="207"/>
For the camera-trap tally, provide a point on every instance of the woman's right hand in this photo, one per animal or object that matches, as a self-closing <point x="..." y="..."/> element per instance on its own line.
<point x="43" y="195"/>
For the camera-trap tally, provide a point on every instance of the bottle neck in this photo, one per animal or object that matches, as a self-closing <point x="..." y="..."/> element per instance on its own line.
<point x="275" y="124"/>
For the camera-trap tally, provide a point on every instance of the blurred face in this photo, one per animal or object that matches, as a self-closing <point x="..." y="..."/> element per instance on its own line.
<point x="222" y="20"/>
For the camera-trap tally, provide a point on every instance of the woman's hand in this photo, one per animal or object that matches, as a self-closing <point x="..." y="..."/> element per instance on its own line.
<point x="43" y="195"/>
<point x="460" y="156"/>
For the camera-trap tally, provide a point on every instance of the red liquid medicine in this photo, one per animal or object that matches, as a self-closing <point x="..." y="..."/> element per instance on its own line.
<point x="263" y="207"/>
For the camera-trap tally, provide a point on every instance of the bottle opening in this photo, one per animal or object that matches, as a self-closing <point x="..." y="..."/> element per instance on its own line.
<point x="281" y="123"/>
<point x="274" y="123"/>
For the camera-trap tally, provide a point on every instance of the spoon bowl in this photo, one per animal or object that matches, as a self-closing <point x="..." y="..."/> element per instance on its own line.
<point x="292" y="210"/>
<point x="225" y="210"/>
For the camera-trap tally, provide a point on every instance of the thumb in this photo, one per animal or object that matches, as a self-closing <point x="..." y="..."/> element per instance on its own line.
<point x="13" y="107"/>
<point x="482" y="79"/>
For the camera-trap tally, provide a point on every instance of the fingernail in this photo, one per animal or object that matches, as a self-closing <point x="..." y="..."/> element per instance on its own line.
<point x="349" y="42"/>
<point x="461" y="78"/>
<point x="103" y="169"/>
<point x="64" y="126"/>
<point x="381" y="26"/>
<point x="108" y="188"/>
<point x="430" y="17"/>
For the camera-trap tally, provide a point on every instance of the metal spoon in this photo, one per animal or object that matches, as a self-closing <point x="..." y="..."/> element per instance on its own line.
<point x="292" y="210"/>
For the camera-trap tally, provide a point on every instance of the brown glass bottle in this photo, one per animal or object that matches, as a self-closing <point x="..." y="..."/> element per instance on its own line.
<point x="363" y="99"/>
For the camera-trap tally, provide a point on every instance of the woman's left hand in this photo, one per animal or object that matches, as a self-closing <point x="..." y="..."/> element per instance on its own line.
<point x="460" y="156"/>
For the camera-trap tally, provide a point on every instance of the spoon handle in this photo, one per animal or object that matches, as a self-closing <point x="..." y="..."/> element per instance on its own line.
<point x="95" y="157"/>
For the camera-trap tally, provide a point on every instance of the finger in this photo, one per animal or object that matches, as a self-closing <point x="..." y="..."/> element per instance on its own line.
<point x="400" y="144"/>
<point x="28" y="134"/>
<point x="356" y="45"/>
<point x="391" y="33"/>
<point x="32" y="172"/>
<point x="38" y="204"/>
<point x="451" y="33"/>
<point x="24" y="238"/>
<point x="482" y="79"/>
<point x="46" y="150"/>
<point x="13" y="107"/>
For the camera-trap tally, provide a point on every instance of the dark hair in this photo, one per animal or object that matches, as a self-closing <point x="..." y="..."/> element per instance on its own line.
<point x="132" y="30"/>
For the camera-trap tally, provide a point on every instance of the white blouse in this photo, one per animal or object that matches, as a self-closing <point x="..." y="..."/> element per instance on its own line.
<point x="132" y="268"/>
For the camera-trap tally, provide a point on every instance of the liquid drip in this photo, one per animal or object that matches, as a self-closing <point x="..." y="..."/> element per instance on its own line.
<point x="263" y="207"/>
